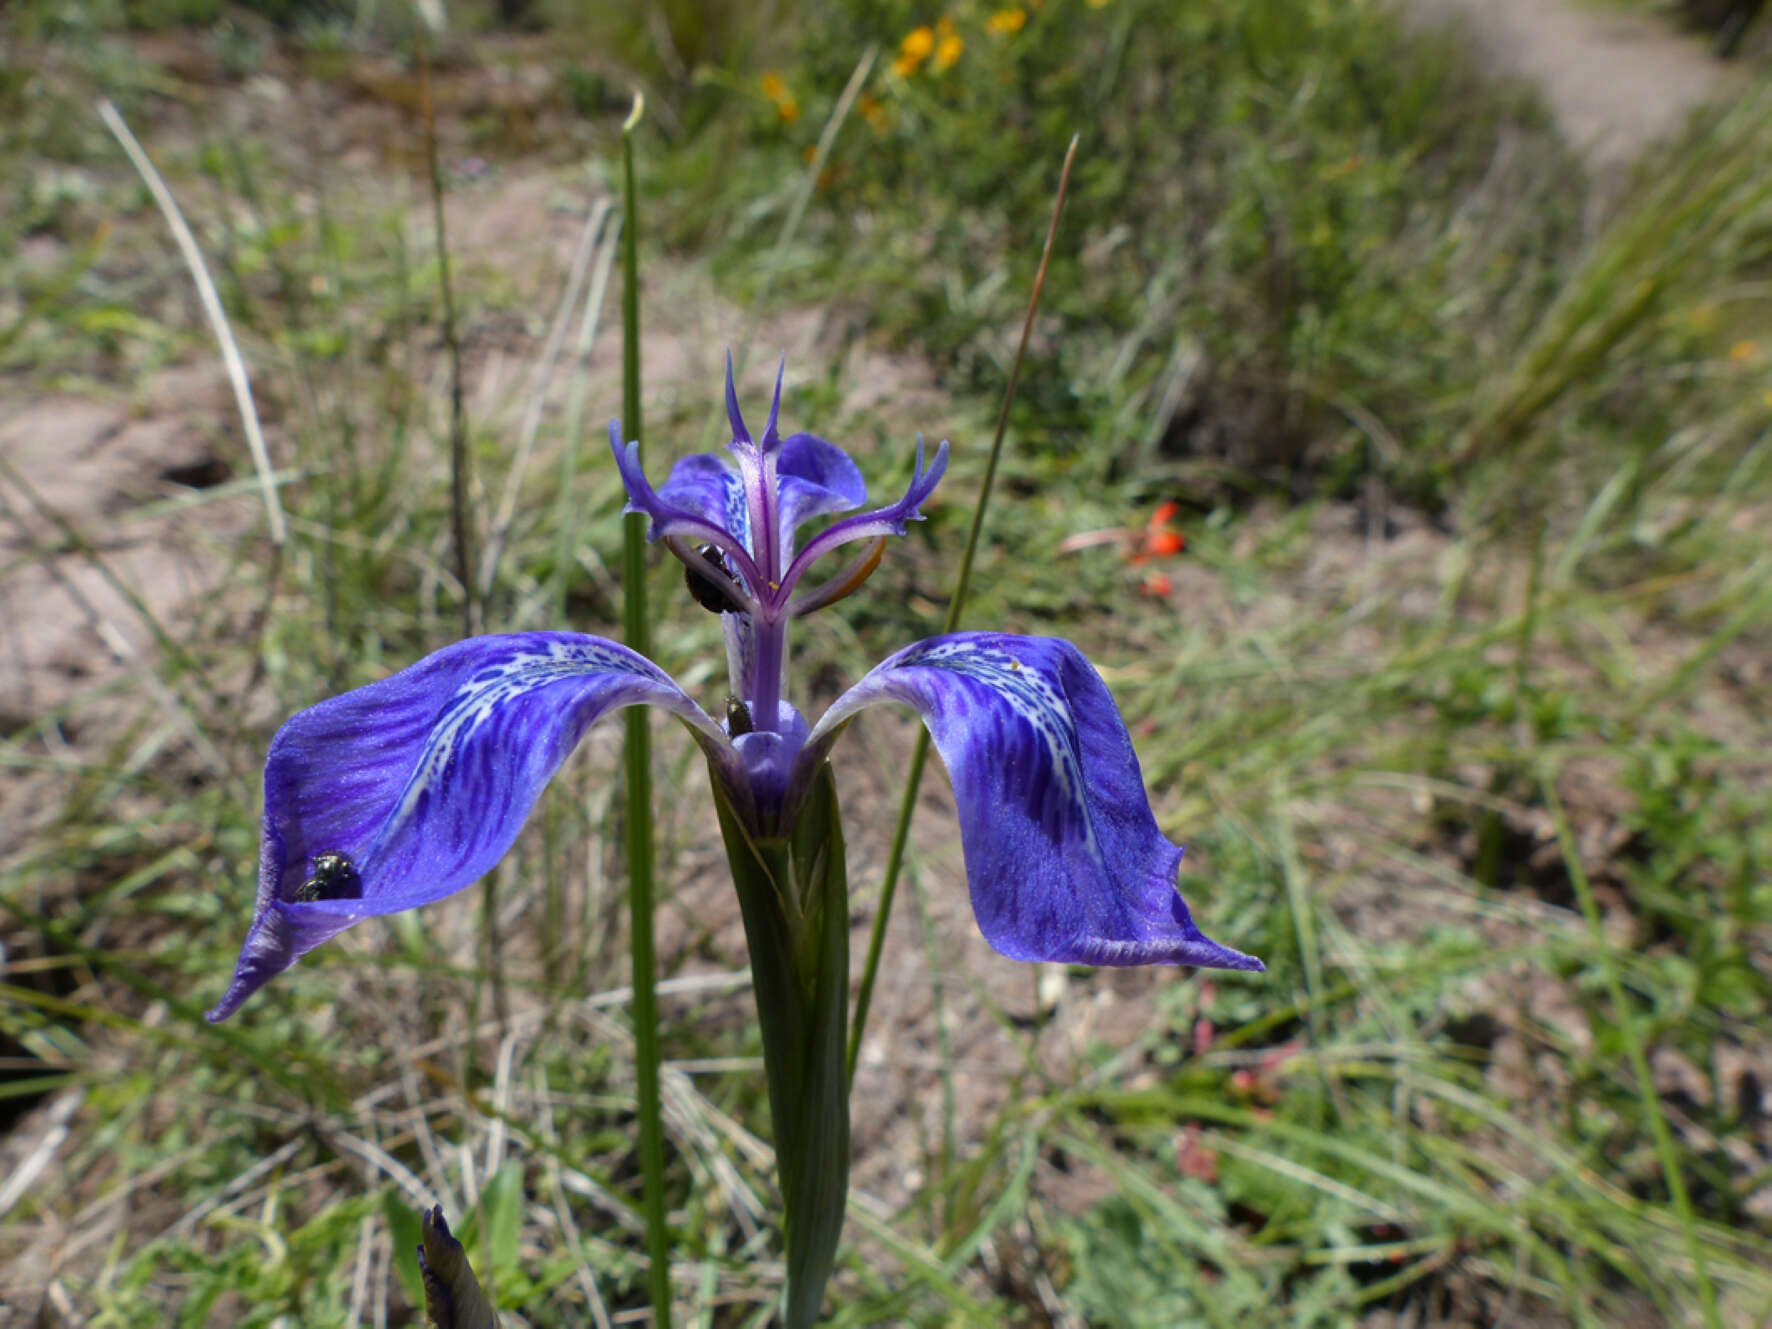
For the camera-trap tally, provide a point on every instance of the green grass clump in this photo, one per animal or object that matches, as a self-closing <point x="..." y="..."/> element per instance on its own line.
<point x="1289" y="221"/>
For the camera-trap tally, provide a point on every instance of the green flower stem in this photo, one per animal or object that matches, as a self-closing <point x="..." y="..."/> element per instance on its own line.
<point x="920" y="756"/>
<point x="638" y="755"/>
<point x="793" y="894"/>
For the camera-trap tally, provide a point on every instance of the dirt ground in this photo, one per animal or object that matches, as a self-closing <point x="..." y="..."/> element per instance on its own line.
<point x="1616" y="80"/>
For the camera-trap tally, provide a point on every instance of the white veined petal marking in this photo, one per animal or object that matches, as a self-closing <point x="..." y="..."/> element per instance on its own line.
<point x="483" y="694"/>
<point x="1035" y="700"/>
<point x="738" y="512"/>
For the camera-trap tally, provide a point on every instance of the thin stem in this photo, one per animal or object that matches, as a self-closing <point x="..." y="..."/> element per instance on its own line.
<point x="639" y="777"/>
<point x="460" y="526"/>
<point x="566" y="511"/>
<point x="920" y="756"/>
<point x="1633" y="1050"/>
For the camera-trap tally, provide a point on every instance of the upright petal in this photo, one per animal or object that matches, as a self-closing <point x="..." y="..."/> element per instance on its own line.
<point x="734" y="417"/>
<point x="407" y="790"/>
<point x="771" y="439"/>
<point x="1063" y="855"/>
<point x="816" y="478"/>
<point x="708" y="487"/>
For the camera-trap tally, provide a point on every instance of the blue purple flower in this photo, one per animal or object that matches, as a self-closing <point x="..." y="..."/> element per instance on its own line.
<point x="407" y="790"/>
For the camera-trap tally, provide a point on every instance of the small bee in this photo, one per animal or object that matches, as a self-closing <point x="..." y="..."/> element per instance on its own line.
<point x="710" y="584"/>
<point x="738" y="717"/>
<point x="335" y="878"/>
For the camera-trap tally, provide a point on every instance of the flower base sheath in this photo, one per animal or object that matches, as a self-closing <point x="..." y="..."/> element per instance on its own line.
<point x="407" y="790"/>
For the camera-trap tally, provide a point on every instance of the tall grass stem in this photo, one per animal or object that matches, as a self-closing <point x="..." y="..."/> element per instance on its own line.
<point x="460" y="480"/>
<point x="639" y="774"/>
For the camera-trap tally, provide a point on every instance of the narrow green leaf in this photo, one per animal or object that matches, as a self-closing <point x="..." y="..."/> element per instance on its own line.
<point x="500" y="1208"/>
<point x="406" y="1232"/>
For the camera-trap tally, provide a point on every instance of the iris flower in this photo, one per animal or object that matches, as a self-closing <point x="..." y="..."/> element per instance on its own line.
<point x="409" y="789"/>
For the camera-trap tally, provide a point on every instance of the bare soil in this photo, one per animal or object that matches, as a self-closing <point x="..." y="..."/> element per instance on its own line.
<point x="1616" y="80"/>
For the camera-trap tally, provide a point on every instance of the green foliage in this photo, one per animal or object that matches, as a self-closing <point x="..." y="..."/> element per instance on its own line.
<point x="1293" y="235"/>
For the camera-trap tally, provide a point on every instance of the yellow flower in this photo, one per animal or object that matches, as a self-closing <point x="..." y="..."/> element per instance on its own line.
<point x="1743" y="351"/>
<point x="947" y="52"/>
<point x="873" y="112"/>
<point x="775" y="87"/>
<point x="1007" y="21"/>
<point x="917" y="44"/>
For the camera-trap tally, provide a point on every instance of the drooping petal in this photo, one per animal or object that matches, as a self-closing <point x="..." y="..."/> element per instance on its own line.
<point x="1063" y="854"/>
<point x="419" y="783"/>
<point x="889" y="520"/>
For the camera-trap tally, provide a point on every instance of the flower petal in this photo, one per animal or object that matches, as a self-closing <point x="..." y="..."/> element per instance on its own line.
<point x="708" y="487"/>
<point x="1063" y="855"/>
<point x="419" y="783"/>
<point x="889" y="520"/>
<point x="734" y="416"/>
<point x="816" y="478"/>
<point x="813" y="478"/>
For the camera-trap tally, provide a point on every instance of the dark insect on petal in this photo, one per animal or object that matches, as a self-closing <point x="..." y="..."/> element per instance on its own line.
<point x="738" y="718"/>
<point x="712" y="586"/>
<point x="335" y="878"/>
